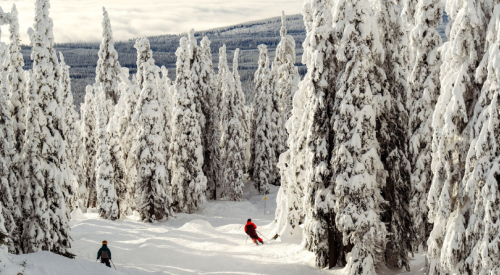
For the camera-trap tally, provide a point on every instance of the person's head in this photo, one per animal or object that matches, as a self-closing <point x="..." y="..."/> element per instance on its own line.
<point x="249" y="220"/>
<point x="104" y="242"/>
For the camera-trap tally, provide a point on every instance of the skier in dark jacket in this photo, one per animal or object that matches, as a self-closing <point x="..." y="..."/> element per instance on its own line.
<point x="105" y="254"/>
<point x="250" y="229"/>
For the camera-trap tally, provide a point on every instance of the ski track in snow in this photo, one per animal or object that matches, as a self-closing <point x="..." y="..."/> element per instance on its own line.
<point x="211" y="241"/>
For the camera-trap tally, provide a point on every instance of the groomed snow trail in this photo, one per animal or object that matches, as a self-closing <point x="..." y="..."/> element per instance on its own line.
<point x="211" y="241"/>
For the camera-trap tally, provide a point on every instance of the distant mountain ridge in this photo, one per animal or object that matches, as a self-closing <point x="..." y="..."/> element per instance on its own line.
<point x="82" y="57"/>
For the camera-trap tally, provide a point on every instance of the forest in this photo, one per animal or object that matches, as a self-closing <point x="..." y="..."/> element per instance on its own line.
<point x="383" y="141"/>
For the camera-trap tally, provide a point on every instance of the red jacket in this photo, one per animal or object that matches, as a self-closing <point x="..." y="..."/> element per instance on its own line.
<point x="250" y="229"/>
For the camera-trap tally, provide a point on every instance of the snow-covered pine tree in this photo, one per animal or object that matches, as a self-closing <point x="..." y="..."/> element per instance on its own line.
<point x="17" y="82"/>
<point x="483" y="166"/>
<point x="452" y="123"/>
<point x="186" y="160"/>
<point x="54" y="167"/>
<point x="166" y="105"/>
<point x="424" y="83"/>
<point x="87" y="189"/>
<point x="108" y="67"/>
<point x="105" y="179"/>
<point x="245" y="122"/>
<point x="392" y="133"/>
<point x="357" y="168"/>
<point x="153" y="190"/>
<point x="264" y="160"/>
<point x="288" y="82"/>
<point x="115" y="126"/>
<point x="36" y="224"/>
<point x="232" y="163"/>
<point x="144" y="53"/>
<point x="9" y="199"/>
<point x="71" y="130"/>
<point x="207" y="93"/>
<point x="128" y="131"/>
<point x="107" y="76"/>
<point x="319" y="87"/>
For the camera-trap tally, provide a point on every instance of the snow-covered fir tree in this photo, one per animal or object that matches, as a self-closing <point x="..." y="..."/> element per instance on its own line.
<point x="453" y="121"/>
<point x="206" y="91"/>
<point x="36" y="226"/>
<point x="318" y="86"/>
<point x="232" y="137"/>
<point x="392" y="133"/>
<point x="108" y="67"/>
<point x="9" y="199"/>
<point x="153" y="190"/>
<point x="358" y="171"/>
<point x="87" y="190"/>
<point x="107" y="77"/>
<point x="264" y="131"/>
<point x="424" y="83"/>
<point x="16" y="81"/>
<point x="144" y="53"/>
<point x="288" y="81"/>
<point x="243" y="117"/>
<point x="71" y="130"/>
<point x="165" y="99"/>
<point x="186" y="162"/>
<point x="483" y="167"/>
<point x="107" y="200"/>
<point x="53" y="170"/>
<point x="115" y="126"/>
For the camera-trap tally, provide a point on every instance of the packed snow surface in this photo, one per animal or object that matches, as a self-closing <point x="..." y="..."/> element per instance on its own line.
<point x="211" y="241"/>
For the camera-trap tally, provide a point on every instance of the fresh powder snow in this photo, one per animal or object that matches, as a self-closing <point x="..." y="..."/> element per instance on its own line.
<point x="209" y="241"/>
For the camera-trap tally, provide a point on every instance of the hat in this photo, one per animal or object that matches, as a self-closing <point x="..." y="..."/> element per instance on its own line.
<point x="249" y="220"/>
<point x="104" y="242"/>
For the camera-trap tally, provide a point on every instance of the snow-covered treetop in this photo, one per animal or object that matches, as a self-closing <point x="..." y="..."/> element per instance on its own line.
<point x="283" y="24"/>
<point x="108" y="67"/>
<point x="144" y="53"/>
<point x="6" y="18"/>
<point x="43" y="23"/>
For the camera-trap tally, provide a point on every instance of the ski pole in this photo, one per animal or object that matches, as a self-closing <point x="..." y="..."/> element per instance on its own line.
<point x="113" y="264"/>
<point x="262" y="235"/>
<point x="246" y="240"/>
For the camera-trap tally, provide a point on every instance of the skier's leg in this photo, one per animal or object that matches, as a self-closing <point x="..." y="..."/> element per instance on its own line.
<point x="261" y="241"/>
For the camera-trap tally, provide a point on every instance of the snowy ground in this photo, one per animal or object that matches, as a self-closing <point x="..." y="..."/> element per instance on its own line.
<point x="212" y="241"/>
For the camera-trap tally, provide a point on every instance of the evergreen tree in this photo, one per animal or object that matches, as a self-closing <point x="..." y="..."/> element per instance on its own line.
<point x="240" y="100"/>
<point x="108" y="67"/>
<point x="318" y="87"/>
<point x="186" y="162"/>
<point x="106" y="193"/>
<point x="9" y="208"/>
<point x="87" y="190"/>
<point x="357" y="168"/>
<point x="392" y="134"/>
<point x="482" y="169"/>
<point x="70" y="130"/>
<point x="16" y="82"/>
<point x="453" y="120"/>
<point x="424" y="82"/>
<point x="152" y="188"/>
<point x="288" y="81"/>
<point x="264" y="161"/>
<point x="144" y="53"/>
<point x="232" y="150"/>
<point x="53" y="168"/>
<point x="205" y="83"/>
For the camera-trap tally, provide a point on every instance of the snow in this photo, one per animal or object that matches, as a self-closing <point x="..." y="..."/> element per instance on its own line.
<point x="210" y="241"/>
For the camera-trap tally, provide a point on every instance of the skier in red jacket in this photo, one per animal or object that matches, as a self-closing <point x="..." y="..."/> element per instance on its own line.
<point x="250" y="229"/>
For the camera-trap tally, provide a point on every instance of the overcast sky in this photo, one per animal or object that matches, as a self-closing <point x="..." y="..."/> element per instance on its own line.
<point x="80" y="20"/>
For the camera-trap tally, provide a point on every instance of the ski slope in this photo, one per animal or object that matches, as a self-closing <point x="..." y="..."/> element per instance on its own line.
<point x="211" y="241"/>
